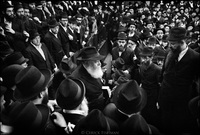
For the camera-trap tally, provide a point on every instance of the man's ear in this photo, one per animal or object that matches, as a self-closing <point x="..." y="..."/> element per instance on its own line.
<point x="41" y="94"/>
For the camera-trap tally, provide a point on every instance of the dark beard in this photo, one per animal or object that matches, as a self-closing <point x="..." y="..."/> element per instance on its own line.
<point x="23" y="18"/>
<point x="177" y="50"/>
<point x="45" y="99"/>
<point x="121" y="49"/>
<point x="9" y="18"/>
<point x="144" y="65"/>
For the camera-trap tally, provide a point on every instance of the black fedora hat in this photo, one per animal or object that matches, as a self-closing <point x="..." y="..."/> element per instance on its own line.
<point x="70" y="93"/>
<point x="95" y="121"/>
<point x="146" y="51"/>
<point x="9" y="73"/>
<point x="161" y="54"/>
<point x="137" y="125"/>
<point x="129" y="97"/>
<point x="90" y="53"/>
<point x="118" y="63"/>
<point x="177" y="34"/>
<point x="67" y="66"/>
<point x="26" y="117"/>
<point x="15" y="58"/>
<point x="5" y="48"/>
<point x="30" y="81"/>
<point x="122" y="36"/>
<point x="33" y="34"/>
<point x="52" y="23"/>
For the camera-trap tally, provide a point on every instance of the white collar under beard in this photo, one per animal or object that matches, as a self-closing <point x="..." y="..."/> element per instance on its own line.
<point x="96" y="72"/>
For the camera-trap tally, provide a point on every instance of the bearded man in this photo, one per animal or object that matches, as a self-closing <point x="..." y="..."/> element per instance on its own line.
<point x="90" y="73"/>
<point x="14" y="27"/>
<point x="180" y="76"/>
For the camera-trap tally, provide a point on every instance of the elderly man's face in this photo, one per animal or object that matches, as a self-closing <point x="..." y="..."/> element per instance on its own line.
<point x="131" y="44"/>
<point x="94" y="68"/>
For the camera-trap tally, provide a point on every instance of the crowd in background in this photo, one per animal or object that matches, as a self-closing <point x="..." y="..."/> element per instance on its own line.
<point x="97" y="67"/>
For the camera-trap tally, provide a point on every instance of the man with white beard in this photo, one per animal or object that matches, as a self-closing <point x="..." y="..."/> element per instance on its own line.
<point x="90" y="73"/>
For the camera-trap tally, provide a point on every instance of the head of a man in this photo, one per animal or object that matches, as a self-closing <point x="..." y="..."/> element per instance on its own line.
<point x="176" y="38"/>
<point x="122" y="41"/>
<point x="91" y="60"/>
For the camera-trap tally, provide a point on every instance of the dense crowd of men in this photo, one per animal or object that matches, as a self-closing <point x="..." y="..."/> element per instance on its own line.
<point x="99" y="67"/>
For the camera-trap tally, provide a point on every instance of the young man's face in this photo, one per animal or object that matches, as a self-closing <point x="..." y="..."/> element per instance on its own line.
<point x="121" y="44"/>
<point x="64" y="22"/>
<point x="9" y="11"/>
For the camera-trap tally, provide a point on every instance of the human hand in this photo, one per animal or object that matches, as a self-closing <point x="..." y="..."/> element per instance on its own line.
<point x="51" y="104"/>
<point x="10" y="30"/>
<point x="59" y="119"/>
<point x="70" y="37"/>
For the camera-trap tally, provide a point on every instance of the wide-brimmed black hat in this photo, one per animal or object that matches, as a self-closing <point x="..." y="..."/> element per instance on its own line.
<point x="9" y="73"/>
<point x="129" y="97"/>
<point x="146" y="51"/>
<point x="5" y="48"/>
<point x="118" y="63"/>
<point x="53" y="23"/>
<point x="95" y="121"/>
<point x="15" y="58"/>
<point x="177" y="34"/>
<point x="67" y="66"/>
<point x="70" y="93"/>
<point x="26" y="117"/>
<point x="33" y="34"/>
<point x="30" y="81"/>
<point x="137" y="125"/>
<point x="90" y="53"/>
<point x="122" y="36"/>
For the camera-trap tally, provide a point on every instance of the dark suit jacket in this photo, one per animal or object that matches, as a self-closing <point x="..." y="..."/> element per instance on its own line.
<point x="55" y="47"/>
<point x="64" y="40"/>
<point x="36" y="59"/>
<point x="74" y="46"/>
<point x="178" y="78"/>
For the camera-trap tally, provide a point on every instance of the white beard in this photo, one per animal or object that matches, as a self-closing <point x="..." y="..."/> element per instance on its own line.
<point x="96" y="72"/>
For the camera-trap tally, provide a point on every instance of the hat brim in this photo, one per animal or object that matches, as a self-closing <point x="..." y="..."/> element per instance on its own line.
<point x="99" y="57"/>
<point x="82" y="86"/>
<point x="172" y="38"/>
<point x="129" y="110"/>
<point x="47" y="74"/>
<point x="20" y="97"/>
<point x="53" y="26"/>
<point x="45" y="114"/>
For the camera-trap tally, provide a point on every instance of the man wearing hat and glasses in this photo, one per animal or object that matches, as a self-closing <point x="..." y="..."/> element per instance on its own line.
<point x="90" y="73"/>
<point x="180" y="73"/>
